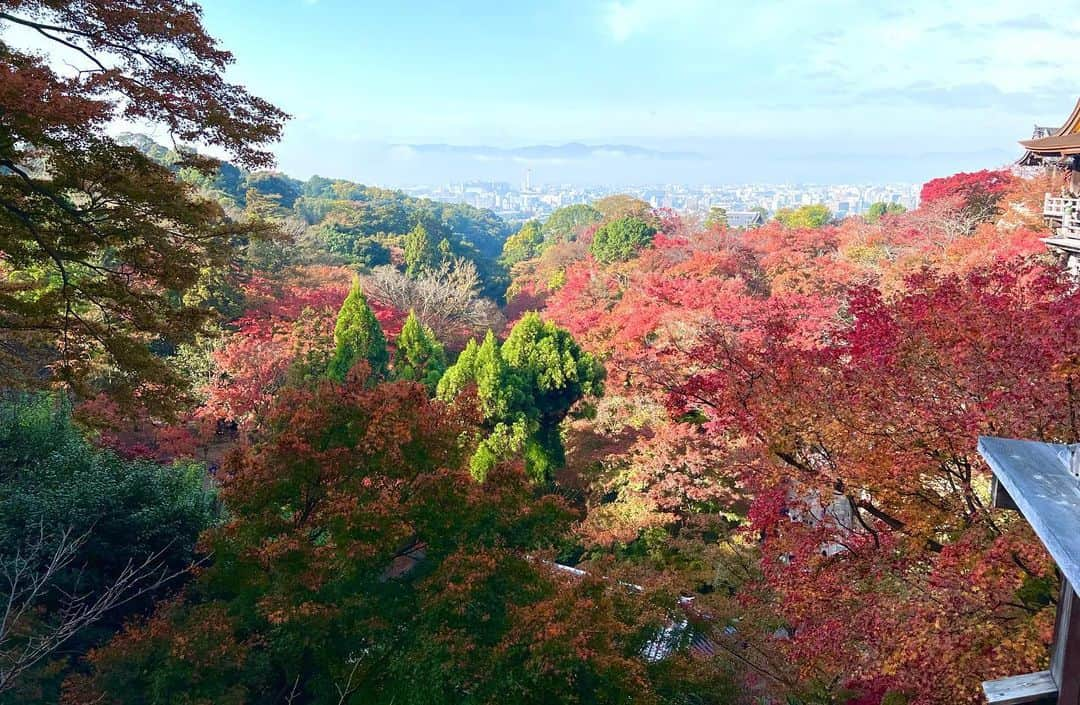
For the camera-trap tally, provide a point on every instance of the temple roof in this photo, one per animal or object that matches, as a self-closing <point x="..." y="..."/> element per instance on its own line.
<point x="1064" y="141"/>
<point x="1054" y="146"/>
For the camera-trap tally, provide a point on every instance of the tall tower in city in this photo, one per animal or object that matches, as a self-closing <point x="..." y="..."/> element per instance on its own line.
<point x="528" y="180"/>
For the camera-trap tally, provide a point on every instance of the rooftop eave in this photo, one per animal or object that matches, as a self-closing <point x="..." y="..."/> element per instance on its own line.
<point x="1037" y="478"/>
<point x="1053" y="146"/>
<point x="1066" y="244"/>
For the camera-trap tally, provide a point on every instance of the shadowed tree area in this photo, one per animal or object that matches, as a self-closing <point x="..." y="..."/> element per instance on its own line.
<point x="88" y="540"/>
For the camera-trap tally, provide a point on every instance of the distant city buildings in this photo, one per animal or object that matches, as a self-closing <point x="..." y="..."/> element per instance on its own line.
<point x="539" y="200"/>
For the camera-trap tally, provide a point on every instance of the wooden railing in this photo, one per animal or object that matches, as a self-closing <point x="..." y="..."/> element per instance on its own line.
<point x="1066" y="210"/>
<point x="1053" y="206"/>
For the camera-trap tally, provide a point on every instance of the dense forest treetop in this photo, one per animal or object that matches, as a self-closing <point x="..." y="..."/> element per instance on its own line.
<point x="343" y="222"/>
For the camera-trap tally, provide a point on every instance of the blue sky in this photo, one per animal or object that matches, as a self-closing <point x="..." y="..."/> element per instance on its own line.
<point x="856" y="89"/>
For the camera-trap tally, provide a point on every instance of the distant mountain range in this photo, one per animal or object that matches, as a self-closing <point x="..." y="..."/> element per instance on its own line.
<point x="625" y="161"/>
<point x="571" y="151"/>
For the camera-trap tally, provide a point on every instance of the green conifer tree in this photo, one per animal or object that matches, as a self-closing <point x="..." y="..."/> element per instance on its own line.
<point x="498" y="388"/>
<point x="419" y="357"/>
<point x="459" y="375"/>
<point x="358" y="337"/>
<point x="526" y="387"/>
<point x="419" y="252"/>
<point x="548" y="361"/>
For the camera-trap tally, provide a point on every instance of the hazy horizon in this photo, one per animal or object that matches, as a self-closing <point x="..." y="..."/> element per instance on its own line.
<point x="732" y="161"/>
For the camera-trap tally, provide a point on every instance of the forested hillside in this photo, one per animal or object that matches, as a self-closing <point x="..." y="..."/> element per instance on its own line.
<point x="334" y="221"/>
<point x="267" y="441"/>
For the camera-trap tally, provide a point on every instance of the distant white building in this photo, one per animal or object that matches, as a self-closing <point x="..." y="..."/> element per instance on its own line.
<point x="745" y="219"/>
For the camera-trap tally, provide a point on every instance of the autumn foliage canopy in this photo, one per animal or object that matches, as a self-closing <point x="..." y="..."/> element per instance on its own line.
<point x="698" y="464"/>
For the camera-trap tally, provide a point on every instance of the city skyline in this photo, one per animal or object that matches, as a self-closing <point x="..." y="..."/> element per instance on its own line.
<point x="528" y="201"/>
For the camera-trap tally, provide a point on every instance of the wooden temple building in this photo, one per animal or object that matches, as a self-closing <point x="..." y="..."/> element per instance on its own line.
<point x="1059" y="148"/>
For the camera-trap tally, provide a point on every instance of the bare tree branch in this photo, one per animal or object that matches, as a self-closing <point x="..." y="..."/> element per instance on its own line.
<point x="33" y="572"/>
<point x="445" y="299"/>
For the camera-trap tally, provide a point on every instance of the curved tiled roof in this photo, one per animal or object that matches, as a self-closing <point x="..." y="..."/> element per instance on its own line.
<point x="1062" y="142"/>
<point x="1054" y="146"/>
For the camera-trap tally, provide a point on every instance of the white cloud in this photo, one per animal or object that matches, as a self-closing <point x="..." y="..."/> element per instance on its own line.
<point x="623" y="19"/>
<point x="1000" y="43"/>
<point x="996" y="44"/>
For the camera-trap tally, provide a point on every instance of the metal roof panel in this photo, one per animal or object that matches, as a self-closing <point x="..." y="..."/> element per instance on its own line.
<point x="1038" y="479"/>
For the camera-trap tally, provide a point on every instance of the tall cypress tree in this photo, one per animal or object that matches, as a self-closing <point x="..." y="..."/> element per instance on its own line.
<point x="461" y="374"/>
<point x="419" y="252"/>
<point x="358" y="337"/>
<point x="419" y="357"/>
<point x="526" y="387"/>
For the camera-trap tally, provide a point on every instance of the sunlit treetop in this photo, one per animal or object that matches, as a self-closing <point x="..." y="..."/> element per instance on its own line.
<point x="621" y="239"/>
